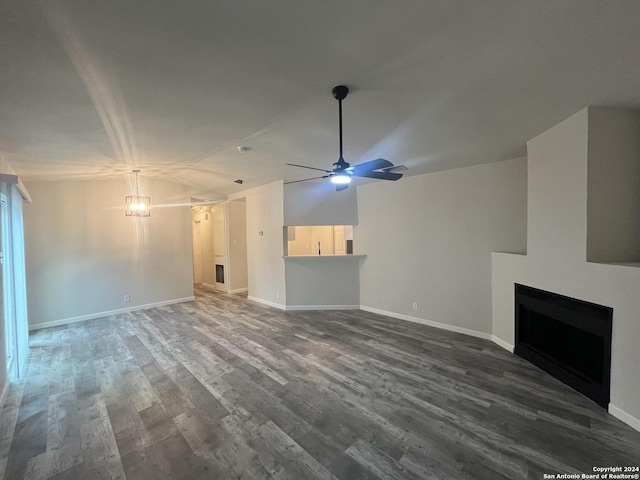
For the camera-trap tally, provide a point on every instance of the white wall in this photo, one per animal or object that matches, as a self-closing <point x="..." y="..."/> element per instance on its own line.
<point x="556" y="260"/>
<point x="318" y="203"/>
<point x="429" y="238"/>
<point x="238" y="280"/>
<point x="265" y="243"/>
<point x="83" y="255"/>
<point x="613" y="190"/>
<point x="322" y="282"/>
<point x="328" y="282"/>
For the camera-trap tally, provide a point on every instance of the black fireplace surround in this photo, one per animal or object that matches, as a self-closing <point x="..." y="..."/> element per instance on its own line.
<point x="566" y="337"/>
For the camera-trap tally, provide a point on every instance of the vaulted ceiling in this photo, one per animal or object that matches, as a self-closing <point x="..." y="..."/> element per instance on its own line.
<point x="92" y="89"/>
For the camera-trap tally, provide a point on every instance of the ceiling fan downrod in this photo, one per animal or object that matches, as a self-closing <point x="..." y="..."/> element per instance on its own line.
<point x="340" y="93"/>
<point x="342" y="172"/>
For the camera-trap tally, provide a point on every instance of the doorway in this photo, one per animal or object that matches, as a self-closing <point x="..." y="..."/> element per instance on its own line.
<point x="209" y="245"/>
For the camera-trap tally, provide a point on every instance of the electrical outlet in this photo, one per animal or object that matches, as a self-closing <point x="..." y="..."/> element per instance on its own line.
<point x="127" y="298"/>
<point x="278" y="295"/>
<point x="414" y="306"/>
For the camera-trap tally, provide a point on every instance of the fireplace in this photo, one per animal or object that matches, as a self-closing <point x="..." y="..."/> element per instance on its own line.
<point x="566" y="337"/>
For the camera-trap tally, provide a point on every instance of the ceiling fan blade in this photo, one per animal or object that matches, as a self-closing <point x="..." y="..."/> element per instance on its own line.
<point x="379" y="175"/>
<point x="376" y="164"/>
<point x="395" y="169"/>
<point x="310" y="168"/>
<point x="378" y="168"/>
<point x="304" y="180"/>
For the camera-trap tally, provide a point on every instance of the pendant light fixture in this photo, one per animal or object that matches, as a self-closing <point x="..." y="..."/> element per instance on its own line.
<point x="136" y="205"/>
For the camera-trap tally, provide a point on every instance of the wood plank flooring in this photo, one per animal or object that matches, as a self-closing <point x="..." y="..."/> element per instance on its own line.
<point x="223" y="388"/>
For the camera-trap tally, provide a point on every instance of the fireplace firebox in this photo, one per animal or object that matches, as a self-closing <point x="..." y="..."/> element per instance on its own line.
<point x="566" y="337"/>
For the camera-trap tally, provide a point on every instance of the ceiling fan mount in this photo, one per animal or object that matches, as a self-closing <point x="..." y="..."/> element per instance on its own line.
<point x="340" y="92"/>
<point x="342" y="171"/>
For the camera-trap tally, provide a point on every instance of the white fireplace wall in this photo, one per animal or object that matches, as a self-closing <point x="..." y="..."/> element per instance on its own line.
<point x="613" y="186"/>
<point x="560" y="162"/>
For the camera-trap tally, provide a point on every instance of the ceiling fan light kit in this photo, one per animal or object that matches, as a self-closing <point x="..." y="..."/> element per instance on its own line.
<point x="340" y="179"/>
<point x="342" y="172"/>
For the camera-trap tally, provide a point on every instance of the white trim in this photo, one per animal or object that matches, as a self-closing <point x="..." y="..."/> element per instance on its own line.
<point x="322" y="257"/>
<point x="322" y="307"/>
<point x="267" y="302"/>
<point x="15" y="180"/>
<point x="627" y="418"/>
<point x="91" y="316"/>
<point x="430" y="323"/>
<point x="239" y="290"/>
<point x="502" y="343"/>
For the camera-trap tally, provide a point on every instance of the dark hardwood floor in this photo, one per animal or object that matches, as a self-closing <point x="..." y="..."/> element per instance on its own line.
<point x="223" y="388"/>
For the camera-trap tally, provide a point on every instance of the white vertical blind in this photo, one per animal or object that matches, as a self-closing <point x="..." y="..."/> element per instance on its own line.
<point x="19" y="278"/>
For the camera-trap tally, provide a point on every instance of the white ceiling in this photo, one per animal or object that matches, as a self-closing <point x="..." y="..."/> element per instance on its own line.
<point x="89" y="89"/>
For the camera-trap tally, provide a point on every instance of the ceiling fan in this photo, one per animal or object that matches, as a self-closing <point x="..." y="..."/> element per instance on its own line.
<point x="342" y="172"/>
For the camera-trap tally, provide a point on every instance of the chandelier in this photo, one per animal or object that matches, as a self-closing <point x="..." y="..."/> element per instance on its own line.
<point x="137" y="205"/>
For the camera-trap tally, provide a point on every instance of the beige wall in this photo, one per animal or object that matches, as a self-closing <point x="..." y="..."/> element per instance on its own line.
<point x="83" y="255"/>
<point x="238" y="280"/>
<point x="429" y="238"/>
<point x="300" y="242"/>
<point x="307" y="238"/>
<point x="556" y="261"/>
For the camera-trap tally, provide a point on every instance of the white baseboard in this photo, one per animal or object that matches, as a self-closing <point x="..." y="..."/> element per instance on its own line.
<point x="91" y="316"/>
<point x="502" y="343"/>
<point x="322" y="307"/>
<point x="267" y="302"/>
<point x="430" y="323"/>
<point x="627" y="418"/>
<point x="238" y="290"/>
